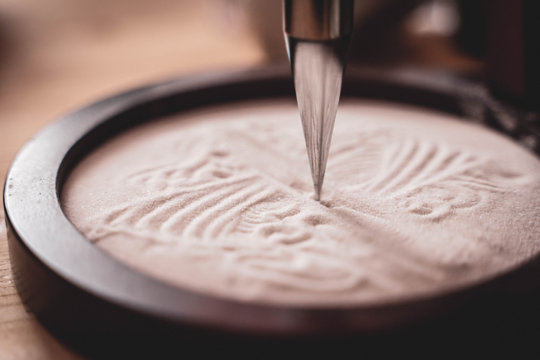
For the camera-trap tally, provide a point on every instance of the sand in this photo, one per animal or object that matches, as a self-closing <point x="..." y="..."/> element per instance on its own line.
<point x="220" y="201"/>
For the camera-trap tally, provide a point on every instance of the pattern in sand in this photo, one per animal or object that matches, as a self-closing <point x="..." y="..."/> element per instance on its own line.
<point x="219" y="201"/>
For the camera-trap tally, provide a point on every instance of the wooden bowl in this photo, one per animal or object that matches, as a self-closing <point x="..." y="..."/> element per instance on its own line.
<point x="103" y="307"/>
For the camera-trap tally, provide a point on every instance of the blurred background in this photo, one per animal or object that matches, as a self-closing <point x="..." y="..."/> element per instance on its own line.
<point x="58" y="55"/>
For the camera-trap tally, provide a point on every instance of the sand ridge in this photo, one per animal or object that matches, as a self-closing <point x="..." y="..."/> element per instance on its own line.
<point x="220" y="201"/>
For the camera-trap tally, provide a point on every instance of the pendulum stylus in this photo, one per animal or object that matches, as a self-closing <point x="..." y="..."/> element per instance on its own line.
<point x="317" y="34"/>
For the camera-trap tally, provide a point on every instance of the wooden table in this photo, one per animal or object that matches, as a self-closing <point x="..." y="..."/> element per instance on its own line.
<point x="58" y="55"/>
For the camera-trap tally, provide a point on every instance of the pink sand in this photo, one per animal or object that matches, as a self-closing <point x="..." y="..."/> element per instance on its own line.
<point x="219" y="201"/>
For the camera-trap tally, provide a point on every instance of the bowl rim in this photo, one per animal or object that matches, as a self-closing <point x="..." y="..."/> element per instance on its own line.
<point x="63" y="261"/>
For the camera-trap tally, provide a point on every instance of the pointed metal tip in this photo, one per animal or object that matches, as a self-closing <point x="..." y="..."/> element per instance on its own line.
<point x="317" y="68"/>
<point x="317" y="191"/>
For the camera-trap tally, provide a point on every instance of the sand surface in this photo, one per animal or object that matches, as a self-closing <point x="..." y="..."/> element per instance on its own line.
<point x="220" y="201"/>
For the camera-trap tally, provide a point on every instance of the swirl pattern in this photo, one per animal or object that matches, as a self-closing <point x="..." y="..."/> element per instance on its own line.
<point x="227" y="210"/>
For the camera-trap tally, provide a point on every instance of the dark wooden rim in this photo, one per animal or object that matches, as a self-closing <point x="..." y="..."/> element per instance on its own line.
<point x="53" y="262"/>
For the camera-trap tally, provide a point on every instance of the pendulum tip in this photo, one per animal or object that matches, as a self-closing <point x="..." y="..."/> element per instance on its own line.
<point x="317" y="187"/>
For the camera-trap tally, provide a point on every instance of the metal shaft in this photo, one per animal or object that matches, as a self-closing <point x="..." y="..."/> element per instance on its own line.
<point x="317" y="34"/>
<point x="318" y="19"/>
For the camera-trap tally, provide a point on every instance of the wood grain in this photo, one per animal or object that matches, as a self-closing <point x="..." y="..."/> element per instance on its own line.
<point x="58" y="55"/>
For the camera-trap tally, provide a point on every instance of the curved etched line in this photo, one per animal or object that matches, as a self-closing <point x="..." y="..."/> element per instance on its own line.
<point x="451" y="163"/>
<point x="223" y="223"/>
<point x="424" y="154"/>
<point x="201" y="225"/>
<point x="404" y="154"/>
<point x="477" y="184"/>
<point x="131" y="213"/>
<point x="115" y="214"/>
<point x="161" y="213"/>
<point x="441" y="159"/>
<point x="190" y="194"/>
<point x="201" y="203"/>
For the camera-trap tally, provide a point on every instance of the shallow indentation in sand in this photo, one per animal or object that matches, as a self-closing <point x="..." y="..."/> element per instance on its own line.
<point x="220" y="201"/>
